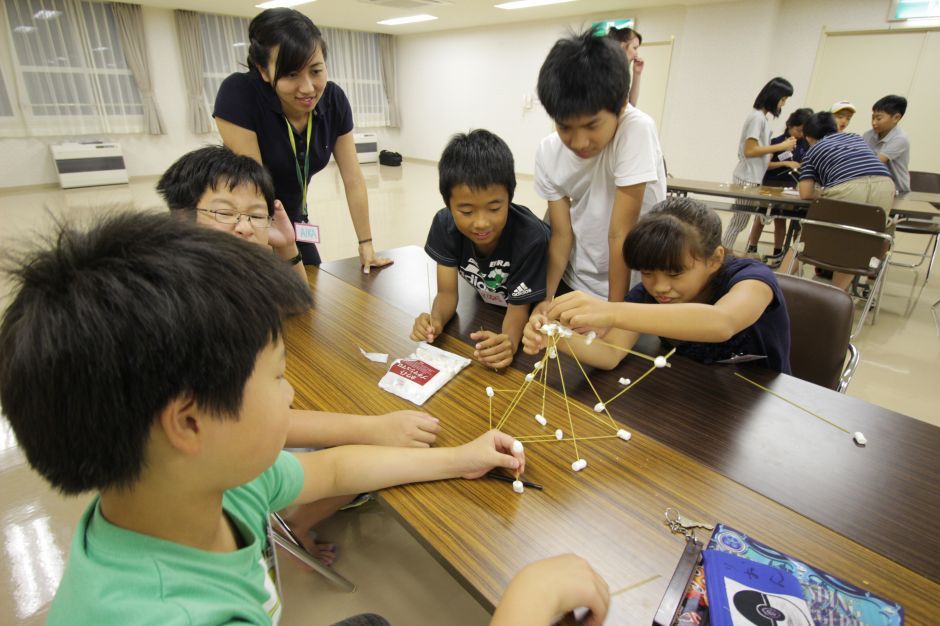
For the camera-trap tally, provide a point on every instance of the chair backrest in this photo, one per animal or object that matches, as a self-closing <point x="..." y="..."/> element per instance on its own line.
<point x="820" y="325"/>
<point x="925" y="181"/>
<point x="842" y="249"/>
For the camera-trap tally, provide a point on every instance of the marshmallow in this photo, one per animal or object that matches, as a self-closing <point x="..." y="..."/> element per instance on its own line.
<point x="490" y="392"/>
<point x="624" y="381"/>
<point x="623" y="434"/>
<point x="529" y="377"/>
<point x="549" y="329"/>
<point x="538" y="365"/>
<point x="516" y="446"/>
<point x="541" y="419"/>
<point x="517" y="486"/>
<point x="579" y="465"/>
<point x="659" y="361"/>
<point x="860" y="439"/>
<point x="590" y="337"/>
<point x="599" y="407"/>
<point x="564" y="331"/>
<point x="559" y="435"/>
<point x="552" y="352"/>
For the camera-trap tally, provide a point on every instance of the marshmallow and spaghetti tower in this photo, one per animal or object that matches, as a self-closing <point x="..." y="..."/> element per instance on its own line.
<point x="565" y="430"/>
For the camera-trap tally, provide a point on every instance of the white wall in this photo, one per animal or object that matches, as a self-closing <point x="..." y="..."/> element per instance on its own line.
<point x="723" y="55"/>
<point x="476" y="78"/>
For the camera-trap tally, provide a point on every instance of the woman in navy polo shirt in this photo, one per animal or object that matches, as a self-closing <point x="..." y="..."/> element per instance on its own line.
<point x="285" y="114"/>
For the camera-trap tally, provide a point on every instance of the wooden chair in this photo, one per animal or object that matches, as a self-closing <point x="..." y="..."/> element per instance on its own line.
<point x="820" y="326"/>
<point x="930" y="183"/>
<point x="847" y="237"/>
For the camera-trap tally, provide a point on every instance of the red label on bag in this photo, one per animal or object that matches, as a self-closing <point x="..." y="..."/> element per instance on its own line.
<point x="414" y="370"/>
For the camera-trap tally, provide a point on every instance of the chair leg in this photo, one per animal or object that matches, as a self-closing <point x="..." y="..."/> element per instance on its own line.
<point x="291" y="545"/>
<point x="875" y="291"/>
<point x="933" y="257"/>
<point x="936" y="318"/>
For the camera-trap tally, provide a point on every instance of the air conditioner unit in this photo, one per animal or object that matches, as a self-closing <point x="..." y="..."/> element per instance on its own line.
<point x="367" y="147"/>
<point x="89" y="164"/>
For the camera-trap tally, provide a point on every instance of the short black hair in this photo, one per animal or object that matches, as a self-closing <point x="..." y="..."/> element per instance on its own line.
<point x="206" y="168"/>
<point x="819" y="125"/>
<point x="799" y="117"/>
<point x="476" y="159"/>
<point x="673" y="228"/>
<point x="771" y="94"/>
<point x="295" y="33"/>
<point x="583" y="75"/>
<point x="624" y="35"/>
<point x="108" y="325"/>
<point x="892" y="105"/>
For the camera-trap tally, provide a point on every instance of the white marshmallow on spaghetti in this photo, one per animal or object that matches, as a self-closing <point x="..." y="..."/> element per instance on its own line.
<point x="529" y="377"/>
<point x="624" y="434"/>
<point x="599" y="407"/>
<point x="660" y="361"/>
<point x="590" y="337"/>
<point x="559" y="435"/>
<point x="552" y="352"/>
<point x="579" y="465"/>
<point x="541" y="419"/>
<point x="624" y="381"/>
<point x="538" y="365"/>
<point x="517" y="486"/>
<point x="490" y="392"/>
<point x="516" y="446"/>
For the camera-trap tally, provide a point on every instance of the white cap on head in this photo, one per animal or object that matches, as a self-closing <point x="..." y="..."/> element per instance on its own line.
<point x="842" y="105"/>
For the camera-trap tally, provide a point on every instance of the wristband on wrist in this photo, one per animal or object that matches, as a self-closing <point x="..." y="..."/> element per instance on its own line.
<point x="295" y="260"/>
<point x="364" y="241"/>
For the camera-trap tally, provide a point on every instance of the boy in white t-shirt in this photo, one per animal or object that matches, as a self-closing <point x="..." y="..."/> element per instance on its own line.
<point x="599" y="171"/>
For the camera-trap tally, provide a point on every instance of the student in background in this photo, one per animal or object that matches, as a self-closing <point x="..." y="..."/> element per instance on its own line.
<point x="780" y="173"/>
<point x="842" y="111"/>
<point x="284" y="113"/>
<point x="889" y="141"/>
<point x="599" y="171"/>
<point x="234" y="194"/>
<point x="498" y="247"/>
<point x="174" y="409"/>
<point x="629" y="40"/>
<point x="754" y="147"/>
<point x="712" y="307"/>
<point x="841" y="166"/>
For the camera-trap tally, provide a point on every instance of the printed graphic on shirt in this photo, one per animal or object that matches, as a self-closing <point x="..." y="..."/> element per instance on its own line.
<point x="490" y="286"/>
<point x="521" y="290"/>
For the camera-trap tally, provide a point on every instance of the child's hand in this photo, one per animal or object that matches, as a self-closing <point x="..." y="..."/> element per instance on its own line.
<point x="793" y="165"/>
<point x="409" y="429"/>
<point x="582" y="312"/>
<point x="493" y="350"/>
<point x="557" y="585"/>
<point x="282" y="231"/>
<point x="489" y="451"/>
<point x="426" y="328"/>
<point x="787" y="144"/>
<point x="532" y="339"/>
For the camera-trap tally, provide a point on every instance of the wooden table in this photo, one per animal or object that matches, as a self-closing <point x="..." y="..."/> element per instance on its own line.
<point x="884" y="496"/>
<point x="775" y="202"/>
<point x="612" y="512"/>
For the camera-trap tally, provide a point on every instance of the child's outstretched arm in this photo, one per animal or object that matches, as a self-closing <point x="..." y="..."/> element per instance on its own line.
<point x="428" y="326"/>
<point x="625" y="212"/>
<point x="752" y="147"/>
<point x="559" y="249"/>
<point x="547" y="589"/>
<point x="497" y="350"/>
<point x="355" y="469"/>
<point x="605" y="354"/>
<point x="319" y="429"/>
<point x="735" y="311"/>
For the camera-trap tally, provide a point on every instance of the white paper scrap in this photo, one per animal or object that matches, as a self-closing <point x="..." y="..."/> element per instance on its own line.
<point x="378" y="357"/>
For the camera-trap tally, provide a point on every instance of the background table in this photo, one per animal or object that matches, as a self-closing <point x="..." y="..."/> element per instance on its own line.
<point x="883" y="496"/>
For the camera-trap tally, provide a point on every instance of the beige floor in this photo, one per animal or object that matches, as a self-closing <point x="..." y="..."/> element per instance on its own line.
<point x="395" y="575"/>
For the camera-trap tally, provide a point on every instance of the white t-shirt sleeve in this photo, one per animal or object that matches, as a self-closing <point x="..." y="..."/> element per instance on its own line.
<point x="546" y="164"/>
<point x="754" y="126"/>
<point x="637" y="153"/>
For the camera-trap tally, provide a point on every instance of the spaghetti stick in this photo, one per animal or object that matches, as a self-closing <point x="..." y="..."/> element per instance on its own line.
<point x="802" y="408"/>
<point x="635" y="585"/>
<point x="644" y="375"/>
<point x="574" y="440"/>
<point x="596" y="395"/>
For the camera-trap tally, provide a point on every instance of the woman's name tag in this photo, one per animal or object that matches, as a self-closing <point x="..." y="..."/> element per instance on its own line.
<point x="307" y="233"/>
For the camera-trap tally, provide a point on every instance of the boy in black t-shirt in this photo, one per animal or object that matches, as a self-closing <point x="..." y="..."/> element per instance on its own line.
<point x="498" y="247"/>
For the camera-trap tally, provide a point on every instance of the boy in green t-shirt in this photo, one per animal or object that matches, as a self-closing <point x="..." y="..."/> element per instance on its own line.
<point x="143" y="359"/>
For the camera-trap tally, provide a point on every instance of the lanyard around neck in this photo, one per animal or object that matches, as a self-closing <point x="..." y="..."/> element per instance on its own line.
<point x="302" y="177"/>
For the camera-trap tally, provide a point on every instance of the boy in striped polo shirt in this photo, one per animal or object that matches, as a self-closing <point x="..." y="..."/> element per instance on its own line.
<point x="841" y="166"/>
